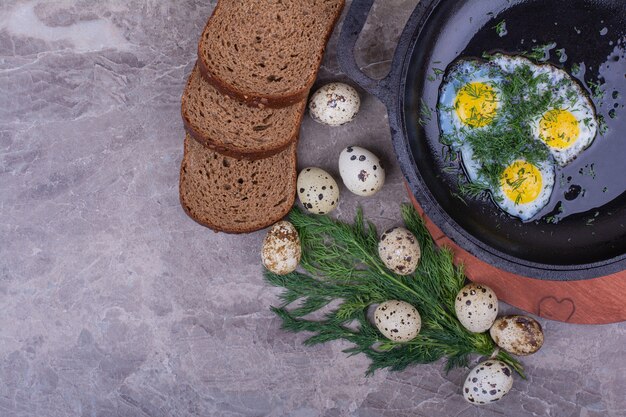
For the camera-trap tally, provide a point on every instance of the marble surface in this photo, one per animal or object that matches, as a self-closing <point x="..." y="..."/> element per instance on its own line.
<point x="114" y="303"/>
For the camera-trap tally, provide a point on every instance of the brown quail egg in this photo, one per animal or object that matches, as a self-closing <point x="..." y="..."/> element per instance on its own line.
<point x="519" y="335"/>
<point x="361" y="171"/>
<point x="399" y="250"/>
<point x="476" y="307"/>
<point x="281" y="248"/>
<point x="398" y="320"/>
<point x="334" y="104"/>
<point x="488" y="382"/>
<point x="317" y="190"/>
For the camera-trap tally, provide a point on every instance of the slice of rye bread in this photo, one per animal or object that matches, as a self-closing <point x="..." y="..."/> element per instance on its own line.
<point x="234" y="129"/>
<point x="266" y="53"/>
<point x="234" y="195"/>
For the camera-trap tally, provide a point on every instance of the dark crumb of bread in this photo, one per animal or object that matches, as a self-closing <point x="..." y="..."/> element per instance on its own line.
<point x="266" y="52"/>
<point x="233" y="128"/>
<point x="235" y="195"/>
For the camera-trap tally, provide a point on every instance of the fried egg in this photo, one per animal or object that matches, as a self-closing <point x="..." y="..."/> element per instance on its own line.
<point x="540" y="104"/>
<point x="568" y="128"/>
<point x="525" y="188"/>
<point x="469" y="99"/>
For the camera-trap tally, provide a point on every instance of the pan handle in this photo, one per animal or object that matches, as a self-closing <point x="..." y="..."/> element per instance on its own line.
<point x="353" y="23"/>
<point x="350" y="31"/>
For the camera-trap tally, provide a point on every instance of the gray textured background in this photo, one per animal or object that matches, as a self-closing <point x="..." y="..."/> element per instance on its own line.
<point x="114" y="303"/>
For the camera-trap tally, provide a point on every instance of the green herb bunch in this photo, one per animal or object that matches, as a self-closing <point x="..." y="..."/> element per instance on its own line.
<point x="342" y="263"/>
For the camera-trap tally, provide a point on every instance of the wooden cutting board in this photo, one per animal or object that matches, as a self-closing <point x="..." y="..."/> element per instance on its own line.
<point x="593" y="301"/>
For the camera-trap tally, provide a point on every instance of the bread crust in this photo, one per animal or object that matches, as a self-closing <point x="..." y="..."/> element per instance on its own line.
<point x="270" y="220"/>
<point x="258" y="99"/>
<point x="233" y="151"/>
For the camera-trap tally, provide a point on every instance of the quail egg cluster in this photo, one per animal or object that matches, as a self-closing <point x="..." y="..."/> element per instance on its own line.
<point x="361" y="171"/>
<point x="488" y="382"/>
<point x="334" y="104"/>
<point x="476" y="307"/>
<point x="281" y="250"/>
<point x="398" y="320"/>
<point x="317" y="190"/>
<point x="399" y="250"/>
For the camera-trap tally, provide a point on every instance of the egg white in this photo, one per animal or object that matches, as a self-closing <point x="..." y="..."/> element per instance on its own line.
<point x="526" y="211"/>
<point x="459" y="75"/>
<point x="578" y="104"/>
<point x="470" y="165"/>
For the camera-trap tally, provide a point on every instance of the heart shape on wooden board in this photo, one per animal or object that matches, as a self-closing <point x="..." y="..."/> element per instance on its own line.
<point x="554" y="309"/>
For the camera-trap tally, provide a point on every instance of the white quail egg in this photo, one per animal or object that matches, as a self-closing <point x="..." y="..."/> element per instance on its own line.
<point x="317" y="190"/>
<point x="361" y="171"/>
<point x="398" y="320"/>
<point x="334" y="104"/>
<point x="476" y="307"/>
<point x="399" y="250"/>
<point x="488" y="382"/>
<point x="281" y="248"/>
<point x="519" y="335"/>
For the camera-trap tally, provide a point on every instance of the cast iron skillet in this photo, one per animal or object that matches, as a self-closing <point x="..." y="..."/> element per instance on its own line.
<point x="590" y="238"/>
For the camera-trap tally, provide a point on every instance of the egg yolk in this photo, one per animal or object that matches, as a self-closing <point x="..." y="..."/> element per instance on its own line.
<point x="559" y="129"/>
<point x="521" y="182"/>
<point x="476" y="104"/>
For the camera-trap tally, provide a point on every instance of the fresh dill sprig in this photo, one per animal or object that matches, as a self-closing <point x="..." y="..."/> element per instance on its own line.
<point x="342" y="264"/>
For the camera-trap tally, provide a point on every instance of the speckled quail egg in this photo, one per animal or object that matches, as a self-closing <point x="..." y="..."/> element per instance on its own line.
<point x="398" y="320"/>
<point x="361" y="171"/>
<point x="399" y="250"/>
<point x="488" y="382"/>
<point x="281" y="248"/>
<point x="476" y="307"/>
<point x="519" y="335"/>
<point x="317" y="190"/>
<point x="334" y="104"/>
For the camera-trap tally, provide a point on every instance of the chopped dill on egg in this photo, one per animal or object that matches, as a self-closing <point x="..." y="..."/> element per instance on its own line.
<point x="508" y="111"/>
<point x="512" y="138"/>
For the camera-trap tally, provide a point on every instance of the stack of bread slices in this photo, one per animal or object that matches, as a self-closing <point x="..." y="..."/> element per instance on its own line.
<point x="242" y="108"/>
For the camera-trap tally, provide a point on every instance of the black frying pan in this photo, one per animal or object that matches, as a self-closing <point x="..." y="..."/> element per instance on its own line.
<point x="590" y="238"/>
